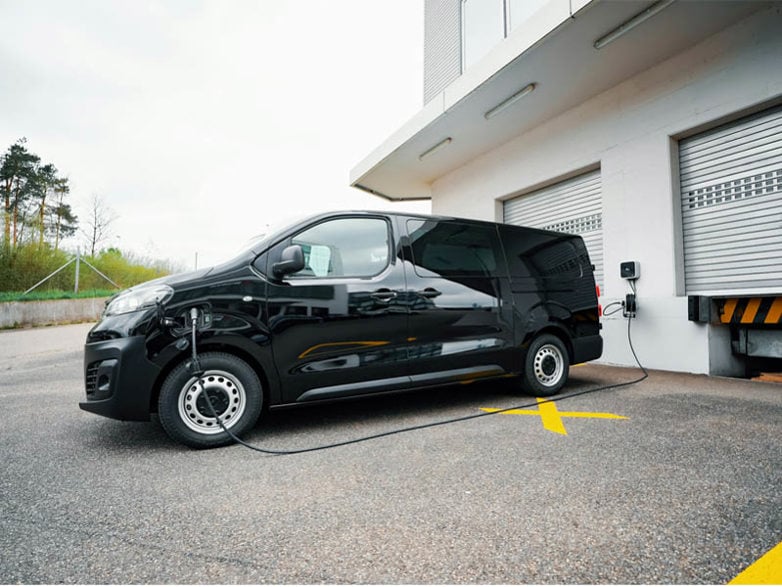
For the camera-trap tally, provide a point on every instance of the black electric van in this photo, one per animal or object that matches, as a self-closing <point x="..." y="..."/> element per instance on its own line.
<point x="342" y="305"/>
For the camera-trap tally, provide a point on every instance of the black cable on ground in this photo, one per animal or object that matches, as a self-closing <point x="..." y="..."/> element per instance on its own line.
<point x="431" y="424"/>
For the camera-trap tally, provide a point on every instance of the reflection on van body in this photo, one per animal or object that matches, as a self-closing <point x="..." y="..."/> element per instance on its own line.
<point x="341" y="305"/>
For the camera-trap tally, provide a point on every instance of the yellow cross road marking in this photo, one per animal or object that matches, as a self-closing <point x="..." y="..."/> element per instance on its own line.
<point x="767" y="570"/>
<point x="552" y="417"/>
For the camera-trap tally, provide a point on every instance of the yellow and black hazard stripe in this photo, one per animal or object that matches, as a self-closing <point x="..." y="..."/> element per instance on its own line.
<point x="767" y="310"/>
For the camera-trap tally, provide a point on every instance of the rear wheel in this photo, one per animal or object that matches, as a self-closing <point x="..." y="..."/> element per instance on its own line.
<point x="233" y="388"/>
<point x="546" y="367"/>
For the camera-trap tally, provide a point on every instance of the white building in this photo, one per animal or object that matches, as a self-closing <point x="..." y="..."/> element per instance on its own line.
<point x="654" y="129"/>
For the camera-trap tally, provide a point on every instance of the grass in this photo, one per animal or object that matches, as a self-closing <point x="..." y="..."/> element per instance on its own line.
<point x="54" y="294"/>
<point x="26" y="265"/>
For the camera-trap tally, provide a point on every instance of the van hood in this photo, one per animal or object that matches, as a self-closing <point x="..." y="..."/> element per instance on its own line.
<point x="189" y="276"/>
<point x="173" y="280"/>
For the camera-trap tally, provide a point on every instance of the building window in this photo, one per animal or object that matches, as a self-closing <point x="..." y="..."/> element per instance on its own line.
<point x="519" y="11"/>
<point x="483" y="26"/>
<point x="487" y="22"/>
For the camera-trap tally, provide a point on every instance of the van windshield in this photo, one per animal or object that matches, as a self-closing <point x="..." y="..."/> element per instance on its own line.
<point x="258" y="243"/>
<point x="254" y="244"/>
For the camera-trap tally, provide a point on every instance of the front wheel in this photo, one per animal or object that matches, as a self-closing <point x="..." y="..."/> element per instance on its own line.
<point x="546" y="367"/>
<point x="233" y="388"/>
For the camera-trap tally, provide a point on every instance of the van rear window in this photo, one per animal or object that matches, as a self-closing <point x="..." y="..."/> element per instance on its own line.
<point x="533" y="253"/>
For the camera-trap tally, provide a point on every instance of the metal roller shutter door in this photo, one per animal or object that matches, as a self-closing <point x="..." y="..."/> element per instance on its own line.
<point x="442" y="45"/>
<point x="731" y="202"/>
<point x="574" y="206"/>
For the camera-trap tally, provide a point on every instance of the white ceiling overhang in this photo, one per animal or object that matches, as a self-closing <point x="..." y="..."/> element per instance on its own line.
<point x="565" y="68"/>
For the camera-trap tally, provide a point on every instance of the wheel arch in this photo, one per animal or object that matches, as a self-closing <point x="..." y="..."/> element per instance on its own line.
<point x="210" y="346"/>
<point x="556" y="330"/>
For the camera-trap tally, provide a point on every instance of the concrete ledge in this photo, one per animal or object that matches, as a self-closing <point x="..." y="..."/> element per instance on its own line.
<point x="20" y="314"/>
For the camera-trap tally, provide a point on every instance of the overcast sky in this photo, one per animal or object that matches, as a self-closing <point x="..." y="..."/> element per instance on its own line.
<point x="200" y="122"/>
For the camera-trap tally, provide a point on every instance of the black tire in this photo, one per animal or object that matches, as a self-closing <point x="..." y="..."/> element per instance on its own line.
<point x="546" y="367"/>
<point x="234" y="389"/>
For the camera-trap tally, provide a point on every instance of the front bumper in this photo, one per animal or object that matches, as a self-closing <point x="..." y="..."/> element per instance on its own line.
<point x="118" y="378"/>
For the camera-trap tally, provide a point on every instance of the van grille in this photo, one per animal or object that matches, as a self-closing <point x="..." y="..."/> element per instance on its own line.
<point x="91" y="378"/>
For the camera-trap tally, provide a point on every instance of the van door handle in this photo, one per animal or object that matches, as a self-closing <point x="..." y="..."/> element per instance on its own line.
<point x="383" y="295"/>
<point x="428" y="292"/>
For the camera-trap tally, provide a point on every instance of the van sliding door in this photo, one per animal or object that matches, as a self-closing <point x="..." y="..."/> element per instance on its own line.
<point x="459" y="328"/>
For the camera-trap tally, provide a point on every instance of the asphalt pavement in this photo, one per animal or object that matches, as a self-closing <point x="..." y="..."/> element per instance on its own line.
<point x="677" y="479"/>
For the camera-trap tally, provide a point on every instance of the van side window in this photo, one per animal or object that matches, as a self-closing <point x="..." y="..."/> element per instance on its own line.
<point x="344" y="247"/>
<point x="534" y="253"/>
<point x="454" y="249"/>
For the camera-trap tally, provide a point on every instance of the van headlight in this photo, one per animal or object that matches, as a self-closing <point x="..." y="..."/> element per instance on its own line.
<point x="138" y="299"/>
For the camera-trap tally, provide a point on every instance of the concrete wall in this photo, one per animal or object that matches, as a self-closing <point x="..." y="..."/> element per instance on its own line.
<point x="16" y="314"/>
<point x="631" y="133"/>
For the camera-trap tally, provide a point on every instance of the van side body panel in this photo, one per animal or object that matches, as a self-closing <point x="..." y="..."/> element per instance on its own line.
<point x="553" y="288"/>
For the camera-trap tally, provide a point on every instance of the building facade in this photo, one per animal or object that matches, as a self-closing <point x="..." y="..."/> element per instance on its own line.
<point x="653" y="129"/>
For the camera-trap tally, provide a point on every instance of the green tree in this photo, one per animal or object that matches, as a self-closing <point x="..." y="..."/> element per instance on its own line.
<point x="62" y="221"/>
<point x="17" y="175"/>
<point x="43" y="184"/>
<point x="33" y="196"/>
<point x="48" y="191"/>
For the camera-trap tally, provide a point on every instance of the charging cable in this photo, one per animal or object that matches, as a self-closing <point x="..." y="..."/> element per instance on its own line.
<point x="196" y="363"/>
<point x="197" y="372"/>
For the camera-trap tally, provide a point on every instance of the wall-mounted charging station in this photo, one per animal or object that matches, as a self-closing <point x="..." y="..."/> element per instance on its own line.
<point x="631" y="271"/>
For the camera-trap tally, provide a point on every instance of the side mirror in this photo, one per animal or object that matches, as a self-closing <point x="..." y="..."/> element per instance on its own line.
<point x="291" y="261"/>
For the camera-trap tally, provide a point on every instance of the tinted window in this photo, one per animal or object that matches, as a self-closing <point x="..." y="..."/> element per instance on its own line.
<point x="539" y="254"/>
<point x="453" y="249"/>
<point x="344" y="247"/>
